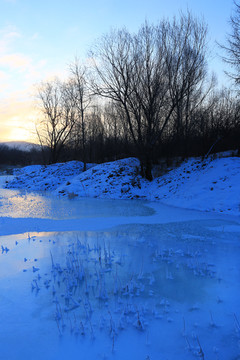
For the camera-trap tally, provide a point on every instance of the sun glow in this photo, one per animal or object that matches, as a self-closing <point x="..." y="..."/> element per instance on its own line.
<point x="17" y="121"/>
<point x="20" y="134"/>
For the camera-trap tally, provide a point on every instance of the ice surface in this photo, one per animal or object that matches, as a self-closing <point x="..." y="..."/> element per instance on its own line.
<point x="165" y="284"/>
<point x="22" y="204"/>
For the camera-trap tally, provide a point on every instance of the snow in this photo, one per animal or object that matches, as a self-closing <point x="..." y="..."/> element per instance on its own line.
<point x="117" y="278"/>
<point x="209" y="185"/>
<point x="45" y="177"/>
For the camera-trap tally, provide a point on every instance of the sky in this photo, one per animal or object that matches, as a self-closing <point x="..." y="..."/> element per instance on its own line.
<point x="40" y="38"/>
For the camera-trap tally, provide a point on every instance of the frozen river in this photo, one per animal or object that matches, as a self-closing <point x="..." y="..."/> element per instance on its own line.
<point x="108" y="279"/>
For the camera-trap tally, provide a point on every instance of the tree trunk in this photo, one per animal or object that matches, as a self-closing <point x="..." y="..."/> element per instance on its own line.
<point x="146" y="167"/>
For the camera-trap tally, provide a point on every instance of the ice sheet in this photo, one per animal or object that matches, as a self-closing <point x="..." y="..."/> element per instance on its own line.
<point x="188" y="280"/>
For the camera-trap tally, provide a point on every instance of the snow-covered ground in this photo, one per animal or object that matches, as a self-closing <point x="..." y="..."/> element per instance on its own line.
<point x="210" y="185"/>
<point x="45" y="178"/>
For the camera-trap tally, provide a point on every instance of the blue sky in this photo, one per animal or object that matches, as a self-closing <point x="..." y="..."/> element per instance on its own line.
<point x="39" y="38"/>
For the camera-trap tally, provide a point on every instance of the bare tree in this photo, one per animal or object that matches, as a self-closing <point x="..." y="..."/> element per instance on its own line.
<point x="82" y="99"/>
<point x="96" y="133"/>
<point x="233" y="45"/>
<point x="142" y="72"/>
<point x="116" y="129"/>
<point x="187" y="70"/>
<point x="223" y="119"/>
<point x="58" y="116"/>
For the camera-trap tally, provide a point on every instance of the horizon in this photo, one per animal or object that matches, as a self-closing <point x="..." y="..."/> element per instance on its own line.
<point x="36" y="44"/>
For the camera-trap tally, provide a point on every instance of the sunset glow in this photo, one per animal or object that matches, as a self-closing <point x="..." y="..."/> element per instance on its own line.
<point x="17" y="120"/>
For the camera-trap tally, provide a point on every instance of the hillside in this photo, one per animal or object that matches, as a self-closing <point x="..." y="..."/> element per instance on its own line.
<point x="21" y="145"/>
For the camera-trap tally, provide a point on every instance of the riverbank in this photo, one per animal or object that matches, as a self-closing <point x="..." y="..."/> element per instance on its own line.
<point x="209" y="185"/>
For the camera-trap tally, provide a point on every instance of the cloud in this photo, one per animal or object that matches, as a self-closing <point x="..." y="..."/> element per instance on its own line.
<point x="12" y="35"/>
<point x="8" y="35"/>
<point x="9" y="58"/>
<point x="4" y="81"/>
<point x="35" y="36"/>
<point x="3" y="77"/>
<point x="18" y="69"/>
<point x="15" y="61"/>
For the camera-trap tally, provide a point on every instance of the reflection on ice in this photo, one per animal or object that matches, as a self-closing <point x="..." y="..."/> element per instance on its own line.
<point x="20" y="204"/>
<point x="158" y="285"/>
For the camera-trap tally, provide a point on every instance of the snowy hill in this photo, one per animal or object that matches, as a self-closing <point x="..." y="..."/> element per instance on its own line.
<point x="21" y="145"/>
<point x="46" y="178"/>
<point x="118" y="180"/>
<point x="210" y="185"/>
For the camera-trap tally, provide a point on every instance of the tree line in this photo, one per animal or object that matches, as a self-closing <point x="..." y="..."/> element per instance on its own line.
<point x="15" y="156"/>
<point x="147" y="94"/>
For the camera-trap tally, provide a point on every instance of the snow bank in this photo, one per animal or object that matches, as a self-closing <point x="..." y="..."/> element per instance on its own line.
<point x="118" y="179"/>
<point x="209" y="185"/>
<point x="45" y="177"/>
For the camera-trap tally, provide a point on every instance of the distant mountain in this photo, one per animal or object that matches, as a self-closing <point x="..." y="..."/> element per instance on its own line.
<point x="21" y="145"/>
